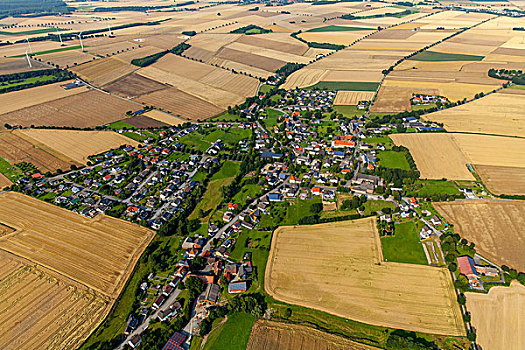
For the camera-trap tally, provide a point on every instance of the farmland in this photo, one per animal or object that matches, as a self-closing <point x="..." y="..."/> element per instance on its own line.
<point x="436" y="155"/>
<point x="503" y="179"/>
<point x="268" y="335"/>
<point x="349" y="98"/>
<point x="354" y="251"/>
<point x="76" y="145"/>
<point x="62" y="313"/>
<point x="86" y="109"/>
<point x="103" y="71"/>
<point x="500" y="113"/>
<point x="497" y="317"/>
<point x="17" y="148"/>
<point x="495" y="227"/>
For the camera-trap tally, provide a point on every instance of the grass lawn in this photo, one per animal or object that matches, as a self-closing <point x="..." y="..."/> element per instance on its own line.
<point x="346" y="85"/>
<point x="231" y="136"/>
<point x="10" y="171"/>
<point x="298" y="210"/>
<point x="271" y="118"/>
<point x="432" y="56"/>
<point x="333" y="28"/>
<point x="134" y="136"/>
<point x="195" y="140"/>
<point x="423" y="106"/>
<point x="518" y="87"/>
<point x="430" y="188"/>
<point x="349" y="111"/>
<point x="179" y="156"/>
<point x="394" y="160"/>
<point x="232" y="334"/>
<point x="118" y="125"/>
<point x="265" y="88"/>
<point x="250" y="190"/>
<point x="213" y="196"/>
<point x="227" y="117"/>
<point x="378" y="139"/>
<point x="404" y="246"/>
<point x="373" y="206"/>
<point x="199" y="176"/>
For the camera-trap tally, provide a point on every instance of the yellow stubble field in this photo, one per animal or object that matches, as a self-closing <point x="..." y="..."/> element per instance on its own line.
<point x="498" y="317"/>
<point x="338" y="268"/>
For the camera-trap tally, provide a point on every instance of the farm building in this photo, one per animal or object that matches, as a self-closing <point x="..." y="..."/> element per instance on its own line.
<point x="175" y="342"/>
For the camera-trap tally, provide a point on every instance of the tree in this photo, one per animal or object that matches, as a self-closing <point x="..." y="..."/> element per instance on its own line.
<point x="195" y="286"/>
<point x="287" y="313"/>
<point x="462" y="300"/>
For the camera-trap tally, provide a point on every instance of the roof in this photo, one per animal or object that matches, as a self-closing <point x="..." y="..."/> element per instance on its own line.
<point x="175" y="341"/>
<point x="466" y="265"/>
<point x="237" y="287"/>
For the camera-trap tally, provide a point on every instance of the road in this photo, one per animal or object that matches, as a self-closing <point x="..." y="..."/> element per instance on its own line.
<point x="144" y="325"/>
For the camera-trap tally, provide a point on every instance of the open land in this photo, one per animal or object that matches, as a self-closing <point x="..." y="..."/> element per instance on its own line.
<point x="297" y="273"/>
<point x="103" y="71"/>
<point x="498" y="317"/>
<point x="495" y="227"/>
<point x="268" y="335"/>
<point x="62" y="269"/>
<point x="77" y="145"/>
<point x="87" y="109"/>
<point x="164" y="117"/>
<point x="16" y="148"/>
<point x="352" y="97"/>
<point x="502" y="179"/>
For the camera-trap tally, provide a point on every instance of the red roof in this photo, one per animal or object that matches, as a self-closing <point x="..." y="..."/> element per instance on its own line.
<point x="344" y="143"/>
<point x="466" y="265"/>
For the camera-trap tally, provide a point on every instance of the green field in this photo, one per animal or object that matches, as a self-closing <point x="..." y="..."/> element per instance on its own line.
<point x="227" y="117"/>
<point x="333" y="28"/>
<point x="345" y="85"/>
<point x="349" y="111"/>
<point x="373" y="206"/>
<point x="231" y="136"/>
<point x="31" y="80"/>
<point x="378" y="139"/>
<point x="246" y="192"/>
<point x="30" y="32"/>
<point x="9" y="171"/>
<point x="67" y="48"/>
<point x="404" y="246"/>
<point x="265" y="88"/>
<point x="431" y="188"/>
<point x="423" y="106"/>
<point x="394" y="160"/>
<point x="518" y="87"/>
<point x="195" y="140"/>
<point x="232" y="334"/>
<point x="212" y="197"/>
<point x="134" y="136"/>
<point x="118" y="125"/>
<point x="432" y="56"/>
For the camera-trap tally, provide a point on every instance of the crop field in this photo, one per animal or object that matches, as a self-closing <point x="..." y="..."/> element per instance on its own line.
<point x="74" y="144"/>
<point x="103" y="71"/>
<point x="66" y="59"/>
<point x="433" y="56"/>
<point x="179" y="103"/>
<point x="98" y="253"/>
<point x="320" y="266"/>
<point x="134" y="85"/>
<point x="498" y="316"/>
<point x="87" y="109"/>
<point x="41" y="310"/>
<point x="268" y="335"/>
<point x="495" y="227"/>
<point x="502" y="179"/>
<point x="12" y="101"/>
<point x="16" y="148"/>
<point x="499" y="113"/>
<point x="15" y="65"/>
<point x="142" y="121"/>
<point x="436" y="155"/>
<point x="164" y="117"/>
<point x="346" y="85"/>
<point x="349" y="98"/>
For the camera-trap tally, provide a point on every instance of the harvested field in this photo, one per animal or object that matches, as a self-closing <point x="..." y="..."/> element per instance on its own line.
<point x="15" y="100"/>
<point x="164" y="117"/>
<point x="16" y="148"/>
<point x="269" y="53"/>
<point x="137" y="53"/>
<point x="436" y="155"/>
<point x="338" y="38"/>
<point x="87" y="109"/>
<point x="492" y="150"/>
<point x="498" y="316"/>
<point x="236" y="83"/>
<point x="495" y="226"/>
<point x="395" y="99"/>
<point x="142" y="121"/>
<point x="499" y="113"/>
<point x="4" y="181"/>
<point x="103" y="71"/>
<point x="291" y="47"/>
<point x="75" y="144"/>
<point x="15" y="65"/>
<point x="349" y="98"/>
<point x="261" y="62"/>
<point x="319" y="266"/>
<point x="181" y="104"/>
<point x="40" y="310"/>
<point x="66" y="59"/>
<point x="183" y="67"/>
<point x="134" y="85"/>
<point x="268" y="335"/>
<point x="502" y="179"/>
<point x="98" y="253"/>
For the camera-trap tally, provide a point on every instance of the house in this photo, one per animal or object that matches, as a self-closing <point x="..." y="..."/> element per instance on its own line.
<point x="134" y="341"/>
<point x="435" y="220"/>
<point x="175" y="342"/>
<point x="159" y="301"/>
<point x="210" y="296"/>
<point x="466" y="267"/>
<point x="487" y="271"/>
<point x="237" y="287"/>
<point x="275" y="197"/>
